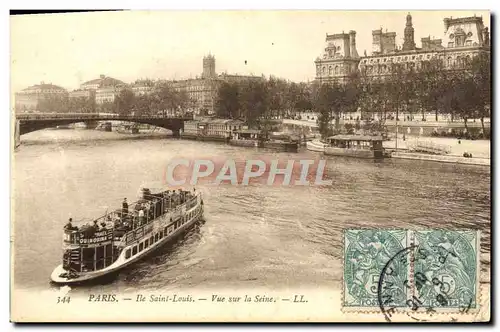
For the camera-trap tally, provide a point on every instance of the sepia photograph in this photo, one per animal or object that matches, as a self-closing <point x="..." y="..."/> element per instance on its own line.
<point x="250" y="166"/>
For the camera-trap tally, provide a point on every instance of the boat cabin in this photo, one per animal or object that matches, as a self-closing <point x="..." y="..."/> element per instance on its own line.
<point x="355" y="145"/>
<point x="96" y="244"/>
<point x="247" y="134"/>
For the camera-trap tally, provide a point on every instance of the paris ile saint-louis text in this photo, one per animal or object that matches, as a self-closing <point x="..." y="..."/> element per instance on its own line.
<point x="177" y="298"/>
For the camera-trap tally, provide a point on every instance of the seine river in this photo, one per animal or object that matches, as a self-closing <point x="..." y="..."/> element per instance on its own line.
<point x="259" y="235"/>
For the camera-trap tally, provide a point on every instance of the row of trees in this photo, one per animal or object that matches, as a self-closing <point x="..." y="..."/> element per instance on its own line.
<point x="461" y="93"/>
<point x="252" y="100"/>
<point x="161" y="98"/>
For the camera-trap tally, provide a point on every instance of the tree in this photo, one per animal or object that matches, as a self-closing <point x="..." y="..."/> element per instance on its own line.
<point x="53" y="103"/>
<point x="480" y="68"/>
<point x="228" y="104"/>
<point x="254" y="101"/>
<point x="124" y="102"/>
<point x="323" y="104"/>
<point x="279" y="97"/>
<point x="432" y="84"/>
<point x="166" y="98"/>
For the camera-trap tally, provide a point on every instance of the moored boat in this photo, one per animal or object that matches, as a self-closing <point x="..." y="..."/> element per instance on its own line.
<point x="316" y="146"/>
<point x="255" y="138"/>
<point x="358" y="146"/>
<point x="124" y="236"/>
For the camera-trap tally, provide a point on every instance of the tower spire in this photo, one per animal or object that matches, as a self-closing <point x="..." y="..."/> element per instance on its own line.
<point x="409" y="41"/>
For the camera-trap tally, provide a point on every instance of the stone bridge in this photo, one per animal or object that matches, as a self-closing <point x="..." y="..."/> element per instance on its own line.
<point x="37" y="121"/>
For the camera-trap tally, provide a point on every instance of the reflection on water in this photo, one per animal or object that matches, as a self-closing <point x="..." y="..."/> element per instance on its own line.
<point x="253" y="236"/>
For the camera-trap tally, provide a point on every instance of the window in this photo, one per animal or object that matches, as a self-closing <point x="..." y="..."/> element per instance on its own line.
<point x="127" y="254"/>
<point x="156" y="237"/>
<point x="146" y="243"/>
<point x="450" y="61"/>
<point x="151" y="240"/>
<point x="134" y="250"/>
<point x="161" y="235"/>
<point x="141" y="247"/>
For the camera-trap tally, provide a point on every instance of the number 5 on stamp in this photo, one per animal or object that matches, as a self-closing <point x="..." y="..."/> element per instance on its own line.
<point x="368" y="254"/>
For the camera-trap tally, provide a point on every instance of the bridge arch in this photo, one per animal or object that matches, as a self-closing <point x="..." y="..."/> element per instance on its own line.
<point x="33" y="122"/>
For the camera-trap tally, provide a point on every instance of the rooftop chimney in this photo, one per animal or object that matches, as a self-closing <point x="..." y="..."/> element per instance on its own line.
<point x="102" y="76"/>
<point x="352" y="40"/>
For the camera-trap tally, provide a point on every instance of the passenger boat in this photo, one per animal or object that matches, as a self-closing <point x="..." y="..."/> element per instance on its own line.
<point x="355" y="146"/>
<point x="316" y="146"/>
<point x="126" y="235"/>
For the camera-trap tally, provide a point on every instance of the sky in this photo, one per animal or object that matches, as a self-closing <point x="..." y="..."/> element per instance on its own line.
<point x="69" y="49"/>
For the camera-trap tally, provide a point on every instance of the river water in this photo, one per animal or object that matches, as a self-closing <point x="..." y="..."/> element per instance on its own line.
<point x="267" y="236"/>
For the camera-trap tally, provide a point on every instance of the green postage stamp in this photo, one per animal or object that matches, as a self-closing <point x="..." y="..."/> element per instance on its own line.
<point x="392" y="270"/>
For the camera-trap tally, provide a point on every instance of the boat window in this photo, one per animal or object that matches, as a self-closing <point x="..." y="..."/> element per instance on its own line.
<point x="88" y="259"/>
<point x="108" y="255"/>
<point x="99" y="257"/>
<point x="134" y="250"/>
<point x="146" y="243"/>
<point x="127" y="254"/>
<point x="141" y="246"/>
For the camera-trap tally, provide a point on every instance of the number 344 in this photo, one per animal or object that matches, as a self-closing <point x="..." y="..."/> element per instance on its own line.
<point x="63" y="299"/>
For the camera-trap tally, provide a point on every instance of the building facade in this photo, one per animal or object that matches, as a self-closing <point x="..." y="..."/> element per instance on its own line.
<point x="142" y="87"/>
<point x="203" y="91"/>
<point x="463" y="39"/>
<point x="102" y="89"/>
<point x="28" y="100"/>
<point x="339" y="59"/>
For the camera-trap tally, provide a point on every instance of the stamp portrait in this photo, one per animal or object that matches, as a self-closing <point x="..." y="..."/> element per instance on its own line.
<point x="366" y="253"/>
<point x="446" y="268"/>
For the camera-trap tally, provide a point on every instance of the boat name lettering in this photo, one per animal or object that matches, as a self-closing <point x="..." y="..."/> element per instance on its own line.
<point x="95" y="239"/>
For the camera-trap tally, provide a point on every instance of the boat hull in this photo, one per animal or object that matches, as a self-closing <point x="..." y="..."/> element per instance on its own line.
<point x="357" y="153"/>
<point x="315" y="146"/>
<point x="122" y="261"/>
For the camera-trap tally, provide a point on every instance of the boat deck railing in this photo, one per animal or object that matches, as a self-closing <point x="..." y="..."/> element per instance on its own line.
<point x="118" y="224"/>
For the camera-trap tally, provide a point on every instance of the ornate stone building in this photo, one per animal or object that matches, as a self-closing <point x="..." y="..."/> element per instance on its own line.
<point x="339" y="59"/>
<point x="102" y="89"/>
<point x="28" y="99"/>
<point x="203" y="91"/>
<point x="463" y="38"/>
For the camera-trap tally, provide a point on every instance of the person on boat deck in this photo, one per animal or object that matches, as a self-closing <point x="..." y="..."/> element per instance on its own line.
<point x="175" y="198"/>
<point x="69" y="225"/>
<point x="124" y="207"/>
<point x="141" y="217"/>
<point x="168" y="200"/>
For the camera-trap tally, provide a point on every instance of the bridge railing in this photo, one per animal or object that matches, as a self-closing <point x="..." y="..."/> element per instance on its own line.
<point x="96" y="116"/>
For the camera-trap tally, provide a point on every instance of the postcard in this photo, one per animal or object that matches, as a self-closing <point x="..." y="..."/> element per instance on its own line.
<point x="251" y="166"/>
